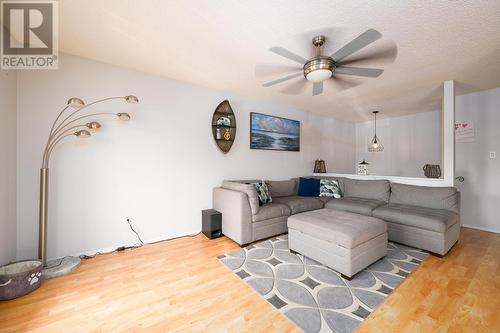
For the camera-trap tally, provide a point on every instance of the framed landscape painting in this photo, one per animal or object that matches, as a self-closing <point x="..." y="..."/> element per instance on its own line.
<point x="274" y="133"/>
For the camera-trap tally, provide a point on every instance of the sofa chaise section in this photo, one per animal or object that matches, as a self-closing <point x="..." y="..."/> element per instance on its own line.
<point x="424" y="217"/>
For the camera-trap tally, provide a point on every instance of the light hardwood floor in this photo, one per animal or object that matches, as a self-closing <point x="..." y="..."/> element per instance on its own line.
<point x="180" y="286"/>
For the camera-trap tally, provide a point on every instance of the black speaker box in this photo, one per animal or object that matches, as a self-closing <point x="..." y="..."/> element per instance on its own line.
<point x="211" y="223"/>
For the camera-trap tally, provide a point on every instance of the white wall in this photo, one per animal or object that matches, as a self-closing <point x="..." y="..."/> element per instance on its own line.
<point x="481" y="188"/>
<point x="158" y="169"/>
<point x="409" y="143"/>
<point x="338" y="146"/>
<point x="8" y="87"/>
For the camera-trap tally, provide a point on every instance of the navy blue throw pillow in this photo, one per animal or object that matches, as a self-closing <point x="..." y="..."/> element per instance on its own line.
<point x="309" y="187"/>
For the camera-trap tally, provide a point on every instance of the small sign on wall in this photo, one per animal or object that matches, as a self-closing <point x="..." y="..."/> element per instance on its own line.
<point x="465" y="132"/>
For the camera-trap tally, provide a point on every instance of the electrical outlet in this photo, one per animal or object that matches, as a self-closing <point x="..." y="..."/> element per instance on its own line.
<point x="493" y="155"/>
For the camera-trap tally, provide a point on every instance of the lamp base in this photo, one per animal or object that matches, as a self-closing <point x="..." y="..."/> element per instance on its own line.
<point x="60" y="266"/>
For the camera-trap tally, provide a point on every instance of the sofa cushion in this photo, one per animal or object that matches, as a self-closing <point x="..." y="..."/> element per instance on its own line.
<point x="329" y="188"/>
<point x="367" y="189"/>
<point x="425" y="196"/>
<point x="270" y="211"/>
<point x="355" y="205"/>
<point x="249" y="189"/>
<point x="283" y="188"/>
<point x="300" y="204"/>
<point x="309" y="187"/>
<point x="438" y="220"/>
<point x="340" y="181"/>
<point x="343" y="228"/>
<point x="324" y="200"/>
<point x="263" y="193"/>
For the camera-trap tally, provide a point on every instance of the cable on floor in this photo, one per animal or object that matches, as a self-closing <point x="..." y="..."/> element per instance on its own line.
<point x="135" y="246"/>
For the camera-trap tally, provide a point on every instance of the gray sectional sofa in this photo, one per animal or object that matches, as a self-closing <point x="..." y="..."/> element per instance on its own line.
<point x="424" y="217"/>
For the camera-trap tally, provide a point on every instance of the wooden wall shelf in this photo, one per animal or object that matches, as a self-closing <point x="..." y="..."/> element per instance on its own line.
<point x="224" y="126"/>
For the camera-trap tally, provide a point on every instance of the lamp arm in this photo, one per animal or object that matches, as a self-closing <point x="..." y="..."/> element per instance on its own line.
<point x="84" y="107"/>
<point x="60" y="130"/>
<point x="55" y="138"/>
<point x="53" y="125"/>
<point x="57" y="118"/>
<point x="49" y="151"/>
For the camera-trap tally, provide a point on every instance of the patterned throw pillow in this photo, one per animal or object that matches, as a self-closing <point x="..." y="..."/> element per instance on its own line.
<point x="329" y="188"/>
<point x="263" y="193"/>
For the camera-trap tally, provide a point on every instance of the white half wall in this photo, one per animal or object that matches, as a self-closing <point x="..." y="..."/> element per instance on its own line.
<point x="8" y="95"/>
<point x="158" y="170"/>
<point x="409" y="143"/>
<point x="481" y="188"/>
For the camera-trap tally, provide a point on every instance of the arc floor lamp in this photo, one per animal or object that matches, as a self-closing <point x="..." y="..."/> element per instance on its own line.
<point x="73" y="124"/>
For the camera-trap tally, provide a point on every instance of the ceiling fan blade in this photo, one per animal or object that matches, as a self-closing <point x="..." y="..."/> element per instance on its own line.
<point x="383" y="55"/>
<point x="295" y="88"/>
<point x="366" y="38"/>
<point x="317" y="88"/>
<point x="263" y="70"/>
<point x="339" y="83"/>
<point x="358" y="71"/>
<point x="283" y="79"/>
<point x="288" y="54"/>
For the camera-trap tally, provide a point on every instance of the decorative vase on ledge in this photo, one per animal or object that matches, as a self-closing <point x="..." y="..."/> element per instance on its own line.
<point x="432" y="170"/>
<point x="363" y="168"/>
<point x="319" y="166"/>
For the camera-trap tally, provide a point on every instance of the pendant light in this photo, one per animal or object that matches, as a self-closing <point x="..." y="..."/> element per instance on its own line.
<point x="375" y="145"/>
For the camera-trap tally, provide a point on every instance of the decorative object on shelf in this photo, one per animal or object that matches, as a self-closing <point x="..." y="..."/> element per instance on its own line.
<point x="319" y="166"/>
<point x="274" y="133"/>
<point x="375" y="145"/>
<point x="224" y="121"/>
<point x="218" y="134"/>
<point x="61" y="129"/>
<point x="224" y="126"/>
<point x="227" y="134"/>
<point x="432" y="170"/>
<point x="363" y="168"/>
<point x="19" y="278"/>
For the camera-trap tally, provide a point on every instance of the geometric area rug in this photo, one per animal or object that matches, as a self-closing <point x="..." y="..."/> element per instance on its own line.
<point x="315" y="297"/>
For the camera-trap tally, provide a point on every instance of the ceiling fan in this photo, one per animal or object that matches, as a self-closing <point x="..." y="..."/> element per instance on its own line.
<point x="320" y="68"/>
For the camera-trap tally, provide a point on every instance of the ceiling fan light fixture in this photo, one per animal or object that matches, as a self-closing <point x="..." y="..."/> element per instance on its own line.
<point x="319" y="69"/>
<point x="319" y="75"/>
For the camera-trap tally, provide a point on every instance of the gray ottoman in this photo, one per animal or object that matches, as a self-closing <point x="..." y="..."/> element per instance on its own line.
<point x="346" y="242"/>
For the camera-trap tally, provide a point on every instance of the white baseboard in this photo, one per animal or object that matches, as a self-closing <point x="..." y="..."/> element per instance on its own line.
<point x="480" y="228"/>
<point x="146" y="241"/>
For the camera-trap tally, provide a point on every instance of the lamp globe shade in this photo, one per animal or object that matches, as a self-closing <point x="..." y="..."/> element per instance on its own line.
<point x="93" y="125"/>
<point x="82" y="134"/>
<point x="132" y="99"/>
<point x="123" y="116"/>
<point x="76" y="102"/>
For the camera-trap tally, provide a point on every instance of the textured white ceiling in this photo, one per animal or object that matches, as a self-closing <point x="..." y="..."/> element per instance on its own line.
<point x="218" y="43"/>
